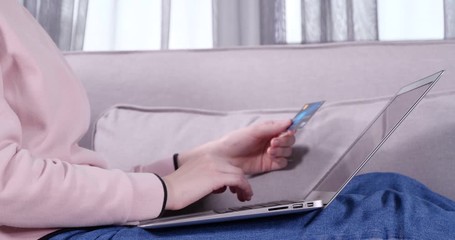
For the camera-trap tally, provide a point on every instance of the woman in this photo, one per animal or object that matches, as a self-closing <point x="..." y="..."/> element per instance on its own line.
<point x="48" y="182"/>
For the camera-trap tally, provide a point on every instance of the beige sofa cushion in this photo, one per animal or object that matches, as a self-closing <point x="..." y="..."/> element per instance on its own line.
<point x="130" y="135"/>
<point x="260" y="77"/>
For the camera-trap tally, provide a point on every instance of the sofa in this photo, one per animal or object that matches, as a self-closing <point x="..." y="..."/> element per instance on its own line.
<point x="148" y="105"/>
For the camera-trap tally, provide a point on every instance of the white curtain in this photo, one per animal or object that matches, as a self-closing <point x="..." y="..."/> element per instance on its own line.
<point x="226" y="23"/>
<point x="412" y="19"/>
<point x="236" y="22"/>
<point x="123" y="24"/>
<point x="252" y="22"/>
<point x="449" y="19"/>
<point x="64" y="20"/>
<point x="181" y="24"/>
<point x="148" y="24"/>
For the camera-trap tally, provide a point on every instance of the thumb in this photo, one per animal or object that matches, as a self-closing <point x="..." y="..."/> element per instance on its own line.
<point x="271" y="128"/>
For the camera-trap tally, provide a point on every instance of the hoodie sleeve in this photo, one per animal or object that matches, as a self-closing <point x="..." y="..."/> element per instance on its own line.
<point x="50" y="192"/>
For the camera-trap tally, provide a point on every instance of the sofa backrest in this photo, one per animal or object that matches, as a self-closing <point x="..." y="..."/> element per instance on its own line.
<point x="259" y="78"/>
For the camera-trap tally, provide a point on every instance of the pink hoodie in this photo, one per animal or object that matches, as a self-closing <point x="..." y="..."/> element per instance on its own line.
<point x="46" y="180"/>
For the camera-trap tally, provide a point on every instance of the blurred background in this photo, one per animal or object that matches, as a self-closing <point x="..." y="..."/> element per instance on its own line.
<point x="112" y="25"/>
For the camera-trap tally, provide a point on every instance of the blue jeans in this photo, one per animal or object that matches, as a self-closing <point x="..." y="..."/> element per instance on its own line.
<point x="374" y="205"/>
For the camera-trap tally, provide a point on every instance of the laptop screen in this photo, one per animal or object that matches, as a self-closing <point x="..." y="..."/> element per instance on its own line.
<point x="366" y="145"/>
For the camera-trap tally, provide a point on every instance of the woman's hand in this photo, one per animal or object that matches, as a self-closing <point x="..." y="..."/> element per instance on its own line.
<point x="223" y="163"/>
<point x="259" y="148"/>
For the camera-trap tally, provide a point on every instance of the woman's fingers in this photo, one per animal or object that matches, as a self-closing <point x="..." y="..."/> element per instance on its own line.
<point x="279" y="163"/>
<point x="239" y="185"/>
<point x="281" y="146"/>
<point x="270" y="128"/>
<point x="284" y="140"/>
<point x="220" y="190"/>
<point x="198" y="178"/>
<point x="279" y="152"/>
<point x="235" y="179"/>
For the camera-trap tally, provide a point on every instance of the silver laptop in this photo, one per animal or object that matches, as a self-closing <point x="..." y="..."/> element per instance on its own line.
<point x="333" y="182"/>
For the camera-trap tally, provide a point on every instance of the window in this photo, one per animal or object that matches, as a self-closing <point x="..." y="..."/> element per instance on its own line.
<point x="137" y="25"/>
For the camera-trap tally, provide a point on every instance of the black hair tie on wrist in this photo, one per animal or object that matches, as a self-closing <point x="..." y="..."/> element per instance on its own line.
<point x="176" y="161"/>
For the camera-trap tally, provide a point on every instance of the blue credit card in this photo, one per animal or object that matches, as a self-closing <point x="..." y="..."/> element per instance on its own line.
<point x="304" y="115"/>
